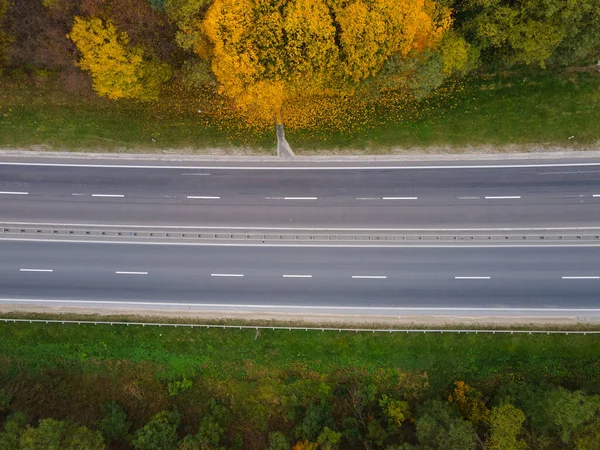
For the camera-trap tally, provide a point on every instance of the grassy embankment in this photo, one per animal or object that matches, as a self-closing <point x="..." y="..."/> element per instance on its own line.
<point x="536" y="108"/>
<point x="65" y="371"/>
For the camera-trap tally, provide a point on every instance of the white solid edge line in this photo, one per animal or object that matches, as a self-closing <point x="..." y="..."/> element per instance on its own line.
<point x="363" y="246"/>
<point x="300" y="198"/>
<point x="502" y="197"/>
<point x="581" y="278"/>
<point x="119" y="272"/>
<point x="320" y="307"/>
<point x="36" y="270"/>
<point x="207" y="197"/>
<point x="296" y="276"/>
<point x="399" y="198"/>
<point x="192" y="227"/>
<point x="472" y="278"/>
<point x="226" y="274"/>
<point x="13" y="193"/>
<point x="108" y="195"/>
<point x="369" y="276"/>
<point x="137" y="166"/>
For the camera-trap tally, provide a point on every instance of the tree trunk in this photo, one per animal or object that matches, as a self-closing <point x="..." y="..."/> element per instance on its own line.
<point x="284" y="150"/>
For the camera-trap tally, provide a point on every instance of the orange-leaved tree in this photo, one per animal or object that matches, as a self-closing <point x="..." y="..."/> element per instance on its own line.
<point x="266" y="52"/>
<point x="117" y="70"/>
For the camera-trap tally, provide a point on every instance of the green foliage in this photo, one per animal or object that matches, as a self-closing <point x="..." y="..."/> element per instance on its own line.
<point x="177" y="387"/>
<point x="158" y="434"/>
<point x="440" y="426"/>
<point x="278" y="441"/>
<point x="5" y="399"/>
<point x="213" y="427"/>
<point x="588" y="436"/>
<point x="396" y="411"/>
<point x="329" y="439"/>
<point x="197" y="74"/>
<point x="59" y="435"/>
<point x="532" y="31"/>
<point x="158" y="5"/>
<point x="114" y="424"/>
<point x="505" y="428"/>
<point x="13" y="428"/>
<point x="316" y="418"/>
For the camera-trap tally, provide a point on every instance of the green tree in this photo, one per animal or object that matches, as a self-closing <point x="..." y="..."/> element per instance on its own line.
<point x="160" y="433"/>
<point x="213" y="427"/>
<point x="13" y="428"/>
<point x="52" y="434"/>
<point x="278" y="441"/>
<point x="440" y="426"/>
<point x="505" y="427"/>
<point x="114" y="424"/>
<point x="329" y="439"/>
<point x="316" y="418"/>
<point x="588" y="436"/>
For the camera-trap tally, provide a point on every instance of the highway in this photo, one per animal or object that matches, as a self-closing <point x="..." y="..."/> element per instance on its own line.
<point x="346" y="197"/>
<point x="392" y="280"/>
<point x="276" y="277"/>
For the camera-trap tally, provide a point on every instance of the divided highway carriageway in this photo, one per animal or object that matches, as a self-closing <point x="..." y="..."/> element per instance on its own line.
<point x="500" y="272"/>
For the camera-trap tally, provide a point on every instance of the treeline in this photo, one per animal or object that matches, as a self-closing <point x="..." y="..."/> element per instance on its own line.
<point x="265" y="55"/>
<point x="390" y="411"/>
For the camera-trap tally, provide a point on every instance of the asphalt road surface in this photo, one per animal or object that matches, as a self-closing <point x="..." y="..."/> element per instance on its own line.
<point x="449" y="197"/>
<point x="550" y="277"/>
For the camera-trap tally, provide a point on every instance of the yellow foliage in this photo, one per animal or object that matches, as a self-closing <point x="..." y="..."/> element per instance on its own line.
<point x="469" y="402"/>
<point x="268" y="53"/>
<point x="305" y="445"/>
<point x="117" y="71"/>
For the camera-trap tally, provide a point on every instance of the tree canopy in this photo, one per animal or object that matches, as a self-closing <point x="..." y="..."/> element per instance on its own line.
<point x="264" y="52"/>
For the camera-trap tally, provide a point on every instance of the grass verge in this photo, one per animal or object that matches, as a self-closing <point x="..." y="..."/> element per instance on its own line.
<point x="541" y="108"/>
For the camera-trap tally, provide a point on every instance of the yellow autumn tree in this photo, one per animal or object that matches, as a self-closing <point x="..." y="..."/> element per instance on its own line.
<point x="265" y="52"/>
<point x="117" y="70"/>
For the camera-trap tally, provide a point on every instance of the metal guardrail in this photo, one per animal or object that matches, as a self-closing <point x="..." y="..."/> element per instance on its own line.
<point x="305" y="236"/>
<point x="295" y="328"/>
